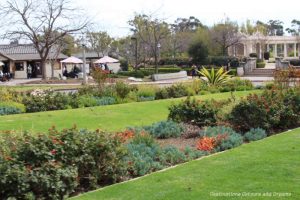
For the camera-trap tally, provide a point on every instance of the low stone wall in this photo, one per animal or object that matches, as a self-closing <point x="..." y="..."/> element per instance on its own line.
<point x="162" y="77"/>
<point x="281" y="64"/>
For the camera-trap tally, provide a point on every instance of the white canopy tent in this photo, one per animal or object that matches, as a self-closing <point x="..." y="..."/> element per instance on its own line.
<point x="72" y="60"/>
<point x="106" y="59"/>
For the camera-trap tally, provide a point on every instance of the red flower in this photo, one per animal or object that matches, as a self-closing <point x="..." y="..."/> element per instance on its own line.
<point x="206" y="144"/>
<point x="53" y="151"/>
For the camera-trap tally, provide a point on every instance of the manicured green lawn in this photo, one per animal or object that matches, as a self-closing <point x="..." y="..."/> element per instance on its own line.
<point x="270" y="166"/>
<point x="114" y="117"/>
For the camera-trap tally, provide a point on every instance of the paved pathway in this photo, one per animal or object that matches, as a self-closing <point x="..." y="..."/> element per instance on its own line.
<point x="14" y="82"/>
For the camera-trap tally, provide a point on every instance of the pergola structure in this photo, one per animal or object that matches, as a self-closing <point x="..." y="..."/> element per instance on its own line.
<point x="277" y="46"/>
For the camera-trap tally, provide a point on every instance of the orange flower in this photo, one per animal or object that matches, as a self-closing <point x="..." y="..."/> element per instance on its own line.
<point x="206" y="144"/>
<point x="126" y="135"/>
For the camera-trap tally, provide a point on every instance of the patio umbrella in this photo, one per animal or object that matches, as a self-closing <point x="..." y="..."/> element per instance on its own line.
<point x="106" y="59"/>
<point x="72" y="60"/>
<point x="1" y="63"/>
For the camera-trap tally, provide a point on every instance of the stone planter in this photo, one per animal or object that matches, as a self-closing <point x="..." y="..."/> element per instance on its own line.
<point x="240" y="71"/>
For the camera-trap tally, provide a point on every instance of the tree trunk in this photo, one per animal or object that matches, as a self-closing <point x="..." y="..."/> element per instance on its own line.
<point x="43" y="67"/>
<point x="156" y="63"/>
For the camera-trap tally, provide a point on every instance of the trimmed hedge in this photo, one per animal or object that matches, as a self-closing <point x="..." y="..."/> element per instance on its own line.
<point x="8" y="108"/>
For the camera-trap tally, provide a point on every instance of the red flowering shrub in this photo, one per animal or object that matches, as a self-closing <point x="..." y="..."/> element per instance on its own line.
<point x="206" y="144"/>
<point x="125" y="135"/>
<point x="54" y="165"/>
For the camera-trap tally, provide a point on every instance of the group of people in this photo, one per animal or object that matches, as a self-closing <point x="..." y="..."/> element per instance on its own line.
<point x="73" y="73"/>
<point x="4" y="76"/>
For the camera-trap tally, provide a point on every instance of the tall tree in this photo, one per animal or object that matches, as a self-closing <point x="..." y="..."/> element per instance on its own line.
<point x="295" y="28"/>
<point x="151" y="32"/>
<point x="99" y="42"/>
<point x="275" y="27"/>
<point x="226" y="35"/>
<point x="186" y="24"/>
<point x="42" y="22"/>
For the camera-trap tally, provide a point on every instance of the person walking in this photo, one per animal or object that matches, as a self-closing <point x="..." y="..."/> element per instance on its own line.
<point x="194" y="70"/>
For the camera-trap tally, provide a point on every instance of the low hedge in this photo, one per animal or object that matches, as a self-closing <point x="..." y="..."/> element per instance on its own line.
<point x="7" y="108"/>
<point x="55" y="165"/>
<point x="260" y="65"/>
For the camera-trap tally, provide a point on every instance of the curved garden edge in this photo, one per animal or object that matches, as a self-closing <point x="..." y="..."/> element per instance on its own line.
<point x="182" y="164"/>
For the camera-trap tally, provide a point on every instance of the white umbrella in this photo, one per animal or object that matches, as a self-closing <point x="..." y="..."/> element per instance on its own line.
<point x="72" y="60"/>
<point x="1" y="63"/>
<point x="106" y="59"/>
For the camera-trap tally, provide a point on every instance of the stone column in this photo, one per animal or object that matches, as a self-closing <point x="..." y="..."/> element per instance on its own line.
<point x="245" y="50"/>
<point x="275" y="50"/>
<point x="295" y="50"/>
<point x="285" y="50"/>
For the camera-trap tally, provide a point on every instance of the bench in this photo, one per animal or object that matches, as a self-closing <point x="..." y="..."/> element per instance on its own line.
<point x="170" y="76"/>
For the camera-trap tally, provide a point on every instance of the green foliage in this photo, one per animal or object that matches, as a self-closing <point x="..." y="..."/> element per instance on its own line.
<point x="226" y="137"/>
<point x="236" y="84"/>
<point x="272" y="111"/>
<point x="200" y="113"/>
<point x="145" y="93"/>
<point x="122" y="89"/>
<point x="54" y="165"/>
<point x="174" y="91"/>
<point x="172" y="156"/>
<point x="199" y="52"/>
<point x="260" y="65"/>
<point x="164" y="129"/>
<point x="142" y="156"/>
<point x="215" y="78"/>
<point x="40" y="100"/>
<point x="102" y="101"/>
<point x="255" y="134"/>
<point x="7" y="108"/>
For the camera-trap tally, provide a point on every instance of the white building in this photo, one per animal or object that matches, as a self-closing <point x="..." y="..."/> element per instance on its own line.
<point x="278" y="46"/>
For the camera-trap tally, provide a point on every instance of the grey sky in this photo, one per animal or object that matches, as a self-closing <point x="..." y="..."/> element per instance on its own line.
<point x="112" y="15"/>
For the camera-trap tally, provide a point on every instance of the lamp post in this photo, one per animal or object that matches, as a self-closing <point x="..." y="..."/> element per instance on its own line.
<point x="136" y="57"/>
<point x="85" y="81"/>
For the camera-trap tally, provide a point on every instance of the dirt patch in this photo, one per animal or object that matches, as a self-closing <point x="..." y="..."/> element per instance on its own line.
<point x="180" y="143"/>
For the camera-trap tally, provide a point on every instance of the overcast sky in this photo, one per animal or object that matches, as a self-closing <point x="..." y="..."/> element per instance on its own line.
<point x="112" y="15"/>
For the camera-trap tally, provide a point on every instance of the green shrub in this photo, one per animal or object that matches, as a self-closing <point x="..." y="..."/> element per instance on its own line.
<point x="146" y="93"/>
<point x="122" y="89"/>
<point x="8" y="108"/>
<point x="143" y="155"/>
<point x="226" y="137"/>
<point x="164" y="129"/>
<point x="172" y="156"/>
<point x="86" y="101"/>
<point x="260" y="65"/>
<point x="250" y="113"/>
<point x="55" y="165"/>
<point x="162" y="93"/>
<point x="40" y="100"/>
<point x="200" y="113"/>
<point x="176" y="91"/>
<point x="255" y="134"/>
<point x="274" y="110"/>
<point x="102" y="101"/>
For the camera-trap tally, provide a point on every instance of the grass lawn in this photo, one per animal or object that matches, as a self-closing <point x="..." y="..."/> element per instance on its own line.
<point x="111" y="118"/>
<point x="269" y="166"/>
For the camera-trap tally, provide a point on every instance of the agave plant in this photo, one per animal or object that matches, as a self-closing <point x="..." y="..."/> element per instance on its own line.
<point x="215" y="78"/>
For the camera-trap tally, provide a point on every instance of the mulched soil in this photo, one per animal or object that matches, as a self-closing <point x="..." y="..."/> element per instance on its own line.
<point x="180" y="143"/>
<point x="189" y="137"/>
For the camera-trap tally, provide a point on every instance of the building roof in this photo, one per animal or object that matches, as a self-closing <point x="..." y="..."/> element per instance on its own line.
<point x="22" y="52"/>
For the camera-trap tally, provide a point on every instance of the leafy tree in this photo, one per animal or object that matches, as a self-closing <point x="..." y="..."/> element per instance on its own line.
<point x="275" y="27"/>
<point x="99" y="42"/>
<point x="186" y="24"/>
<point x="199" y="52"/>
<point x="151" y="32"/>
<point x="295" y="28"/>
<point x="226" y="35"/>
